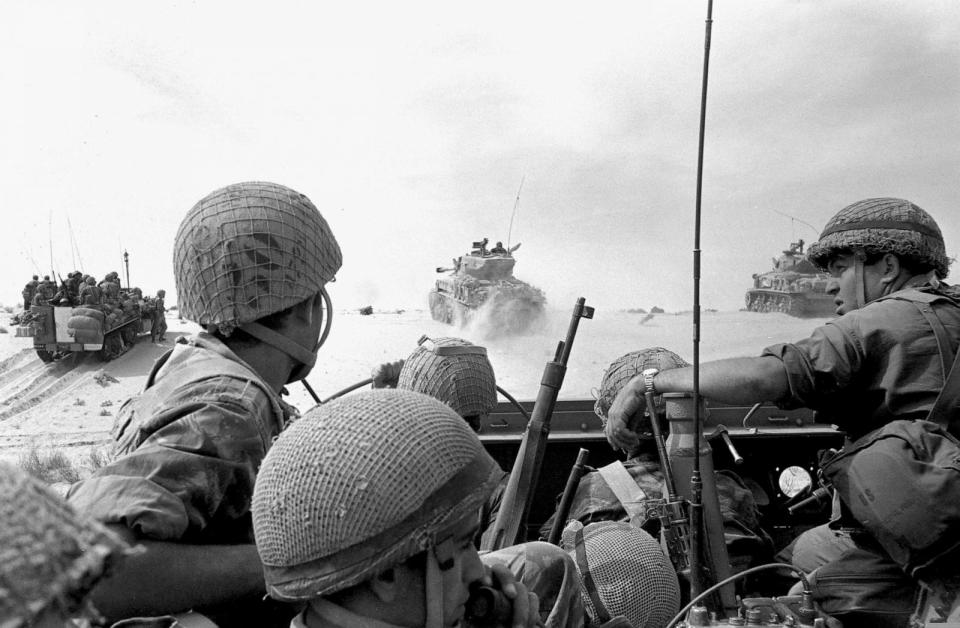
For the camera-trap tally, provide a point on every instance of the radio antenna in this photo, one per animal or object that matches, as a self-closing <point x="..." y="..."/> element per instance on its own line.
<point x="696" y="483"/>
<point x="516" y="204"/>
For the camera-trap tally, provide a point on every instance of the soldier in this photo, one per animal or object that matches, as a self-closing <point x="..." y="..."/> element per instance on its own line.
<point x="189" y="446"/>
<point x="393" y="481"/>
<point x="110" y="286"/>
<point x="498" y="249"/>
<point x="29" y="291"/>
<point x="90" y="293"/>
<point x="458" y="373"/>
<point x="879" y="361"/>
<point x="46" y="289"/>
<point x="158" y="317"/>
<point x="51" y="557"/>
<point x="632" y="578"/>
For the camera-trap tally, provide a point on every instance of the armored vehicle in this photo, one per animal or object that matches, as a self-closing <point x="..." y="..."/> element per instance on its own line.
<point x="481" y="283"/>
<point x="794" y="286"/>
<point x="61" y="330"/>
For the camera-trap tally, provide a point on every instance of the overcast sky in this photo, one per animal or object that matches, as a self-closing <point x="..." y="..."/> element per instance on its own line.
<point x="411" y="125"/>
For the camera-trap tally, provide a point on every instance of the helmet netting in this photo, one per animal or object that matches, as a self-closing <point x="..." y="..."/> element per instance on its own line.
<point x="49" y="556"/>
<point x="355" y="469"/>
<point x="628" y="366"/>
<point x="465" y="382"/>
<point x="916" y="238"/>
<point x="632" y="575"/>
<point x="250" y="250"/>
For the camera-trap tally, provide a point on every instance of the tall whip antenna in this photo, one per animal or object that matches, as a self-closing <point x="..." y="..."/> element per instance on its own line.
<point x="76" y="249"/>
<point x="50" y="235"/>
<point x="516" y="204"/>
<point x="696" y="484"/>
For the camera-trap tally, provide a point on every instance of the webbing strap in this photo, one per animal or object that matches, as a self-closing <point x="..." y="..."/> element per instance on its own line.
<point x="624" y="488"/>
<point x="587" y="578"/>
<point x="948" y="401"/>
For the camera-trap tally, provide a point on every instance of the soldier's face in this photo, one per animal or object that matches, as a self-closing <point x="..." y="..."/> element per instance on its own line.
<point x="465" y="569"/>
<point x="844" y="285"/>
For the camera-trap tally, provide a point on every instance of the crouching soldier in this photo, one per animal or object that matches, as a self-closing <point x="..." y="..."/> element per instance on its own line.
<point x="189" y="446"/>
<point x="366" y="509"/>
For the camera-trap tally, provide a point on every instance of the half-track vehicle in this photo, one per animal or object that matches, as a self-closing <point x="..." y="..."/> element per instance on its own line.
<point x="483" y="281"/>
<point x="107" y="329"/>
<point x="795" y="287"/>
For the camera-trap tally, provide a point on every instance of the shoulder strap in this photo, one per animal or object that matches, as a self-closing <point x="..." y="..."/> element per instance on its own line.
<point x="625" y="488"/>
<point x="949" y="397"/>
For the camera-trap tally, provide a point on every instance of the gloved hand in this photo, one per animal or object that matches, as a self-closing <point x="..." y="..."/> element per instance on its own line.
<point x="386" y="375"/>
<point x="625" y="412"/>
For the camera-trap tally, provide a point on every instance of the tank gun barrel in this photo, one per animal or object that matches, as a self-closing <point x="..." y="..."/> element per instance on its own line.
<point x="441" y="269"/>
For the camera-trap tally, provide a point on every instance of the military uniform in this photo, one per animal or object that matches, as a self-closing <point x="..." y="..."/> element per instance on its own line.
<point x="188" y="449"/>
<point x="29" y="291"/>
<point x="158" y="319"/>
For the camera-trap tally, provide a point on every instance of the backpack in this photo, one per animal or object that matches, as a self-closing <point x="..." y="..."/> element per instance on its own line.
<point x="902" y="481"/>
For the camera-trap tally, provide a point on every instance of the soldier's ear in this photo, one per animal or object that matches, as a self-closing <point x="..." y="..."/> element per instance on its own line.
<point x="890" y="268"/>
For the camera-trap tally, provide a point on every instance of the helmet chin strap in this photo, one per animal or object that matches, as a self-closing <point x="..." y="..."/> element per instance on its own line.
<point x="279" y="341"/>
<point x="439" y="559"/>
<point x="861" y="288"/>
<point x="304" y="357"/>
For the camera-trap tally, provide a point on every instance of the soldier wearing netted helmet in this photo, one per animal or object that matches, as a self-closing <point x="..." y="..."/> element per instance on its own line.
<point x="885" y="357"/>
<point x="365" y="511"/>
<point x="251" y="262"/>
<point x="50" y="557"/>
<point x="455" y="371"/>
<point x="626" y="579"/>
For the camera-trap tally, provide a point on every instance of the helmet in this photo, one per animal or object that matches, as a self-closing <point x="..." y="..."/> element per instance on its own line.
<point x="51" y="556"/>
<point x="46" y="277"/>
<point x="626" y="367"/>
<point x="250" y="250"/>
<point x="360" y="484"/>
<point x="35" y="278"/>
<point x="91" y="281"/>
<point x="623" y="573"/>
<point x="161" y="293"/>
<point x="454" y="371"/>
<point x="883" y="225"/>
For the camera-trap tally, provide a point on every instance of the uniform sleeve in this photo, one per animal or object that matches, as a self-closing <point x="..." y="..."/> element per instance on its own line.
<point x="821" y="366"/>
<point x="192" y="478"/>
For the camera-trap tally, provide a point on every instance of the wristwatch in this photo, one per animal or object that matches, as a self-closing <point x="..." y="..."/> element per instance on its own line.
<point x="648" y="375"/>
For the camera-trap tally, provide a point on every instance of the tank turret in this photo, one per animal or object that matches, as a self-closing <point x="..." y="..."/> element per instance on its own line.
<point x="481" y="283"/>
<point x="795" y="286"/>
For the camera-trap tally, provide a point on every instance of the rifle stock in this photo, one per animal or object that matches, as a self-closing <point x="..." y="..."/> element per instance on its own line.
<point x="526" y="467"/>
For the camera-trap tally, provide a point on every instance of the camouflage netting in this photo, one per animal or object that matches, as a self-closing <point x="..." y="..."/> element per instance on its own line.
<point x="250" y="250"/>
<point x="631" y="575"/>
<point x="461" y="377"/>
<point x="628" y="366"/>
<point x="50" y="558"/>
<point x="883" y="225"/>
<point x="360" y="484"/>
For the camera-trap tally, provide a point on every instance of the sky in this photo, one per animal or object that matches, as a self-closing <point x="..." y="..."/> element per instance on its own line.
<point x="412" y="125"/>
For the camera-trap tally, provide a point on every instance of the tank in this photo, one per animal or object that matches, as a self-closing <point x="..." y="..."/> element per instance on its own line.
<point x="794" y="286"/>
<point x="481" y="285"/>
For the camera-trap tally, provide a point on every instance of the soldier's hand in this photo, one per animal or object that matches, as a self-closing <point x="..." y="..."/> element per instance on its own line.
<point x="386" y="375"/>
<point x="626" y="410"/>
<point x="526" y="604"/>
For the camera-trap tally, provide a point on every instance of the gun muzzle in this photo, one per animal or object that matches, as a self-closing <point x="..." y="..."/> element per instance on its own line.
<point x="815" y="497"/>
<point x="488" y="607"/>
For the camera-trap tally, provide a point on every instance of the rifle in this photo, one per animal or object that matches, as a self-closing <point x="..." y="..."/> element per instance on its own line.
<point x="526" y="468"/>
<point x="569" y="491"/>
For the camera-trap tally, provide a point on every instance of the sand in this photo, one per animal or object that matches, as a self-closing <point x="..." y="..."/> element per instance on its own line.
<point x="70" y="404"/>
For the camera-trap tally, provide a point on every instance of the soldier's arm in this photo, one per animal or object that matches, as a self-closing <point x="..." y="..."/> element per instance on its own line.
<point x="732" y="380"/>
<point x="175" y="577"/>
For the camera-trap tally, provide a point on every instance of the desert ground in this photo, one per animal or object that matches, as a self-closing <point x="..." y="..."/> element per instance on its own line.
<point x="69" y="406"/>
